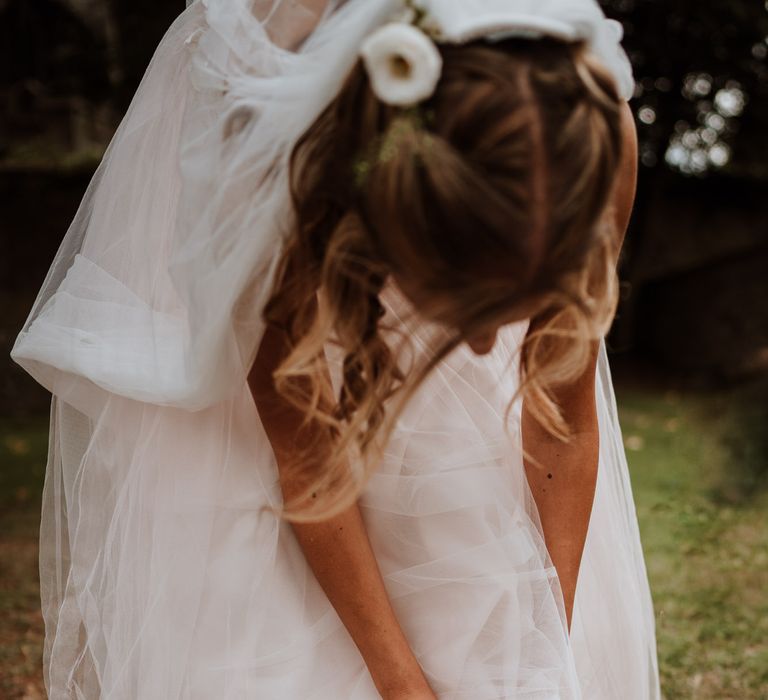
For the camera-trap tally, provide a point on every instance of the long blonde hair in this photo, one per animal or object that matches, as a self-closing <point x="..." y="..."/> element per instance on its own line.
<point x="492" y="195"/>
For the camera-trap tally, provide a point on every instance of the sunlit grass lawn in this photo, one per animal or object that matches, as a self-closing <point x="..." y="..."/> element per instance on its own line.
<point x="699" y="476"/>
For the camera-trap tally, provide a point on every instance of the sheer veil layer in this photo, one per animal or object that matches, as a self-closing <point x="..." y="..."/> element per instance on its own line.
<point x="164" y="572"/>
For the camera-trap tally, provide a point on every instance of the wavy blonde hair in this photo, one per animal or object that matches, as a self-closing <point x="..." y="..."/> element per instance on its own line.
<point x="491" y="196"/>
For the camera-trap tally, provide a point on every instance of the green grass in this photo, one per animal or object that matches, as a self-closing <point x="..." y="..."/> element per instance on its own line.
<point x="23" y="448"/>
<point x="699" y="474"/>
<point x="23" y="452"/>
<point x="698" y="471"/>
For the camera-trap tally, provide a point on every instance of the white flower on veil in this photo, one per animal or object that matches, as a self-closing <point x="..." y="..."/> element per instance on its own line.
<point x="403" y="64"/>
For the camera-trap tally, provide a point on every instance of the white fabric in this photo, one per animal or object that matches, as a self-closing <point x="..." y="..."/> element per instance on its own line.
<point x="570" y="20"/>
<point x="164" y="574"/>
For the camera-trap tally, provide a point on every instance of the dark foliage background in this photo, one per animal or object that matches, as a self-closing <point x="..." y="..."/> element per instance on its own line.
<point x="698" y="252"/>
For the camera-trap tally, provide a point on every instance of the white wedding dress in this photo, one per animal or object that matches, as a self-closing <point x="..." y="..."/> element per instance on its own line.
<point x="164" y="573"/>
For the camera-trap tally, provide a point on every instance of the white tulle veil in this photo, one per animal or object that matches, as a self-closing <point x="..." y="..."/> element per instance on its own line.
<point x="145" y="330"/>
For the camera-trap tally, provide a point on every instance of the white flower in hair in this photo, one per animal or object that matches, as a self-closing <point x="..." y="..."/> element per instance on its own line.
<point x="403" y="64"/>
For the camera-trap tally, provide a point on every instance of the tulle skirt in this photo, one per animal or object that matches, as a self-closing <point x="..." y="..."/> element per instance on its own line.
<point x="165" y="573"/>
<point x="164" y="576"/>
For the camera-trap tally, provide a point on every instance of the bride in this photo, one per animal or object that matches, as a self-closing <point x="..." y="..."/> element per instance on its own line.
<point x="332" y="416"/>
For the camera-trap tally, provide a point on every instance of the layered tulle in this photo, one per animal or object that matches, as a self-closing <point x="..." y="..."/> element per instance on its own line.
<point x="167" y="576"/>
<point x="165" y="572"/>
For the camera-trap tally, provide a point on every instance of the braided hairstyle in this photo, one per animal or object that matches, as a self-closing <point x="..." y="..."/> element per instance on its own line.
<point x="489" y="197"/>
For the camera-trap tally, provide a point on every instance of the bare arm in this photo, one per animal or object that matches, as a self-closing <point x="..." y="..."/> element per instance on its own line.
<point x="564" y="486"/>
<point x="338" y="550"/>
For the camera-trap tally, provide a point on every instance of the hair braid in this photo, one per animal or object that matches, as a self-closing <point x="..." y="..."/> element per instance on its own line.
<point x="361" y="365"/>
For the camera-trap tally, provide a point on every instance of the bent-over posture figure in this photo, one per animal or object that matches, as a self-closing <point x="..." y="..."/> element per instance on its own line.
<point x="332" y="416"/>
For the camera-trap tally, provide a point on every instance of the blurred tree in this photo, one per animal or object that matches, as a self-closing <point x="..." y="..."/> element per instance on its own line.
<point x="50" y="58"/>
<point x="140" y="26"/>
<point x="49" y="43"/>
<point x="702" y="83"/>
<point x="696" y="258"/>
